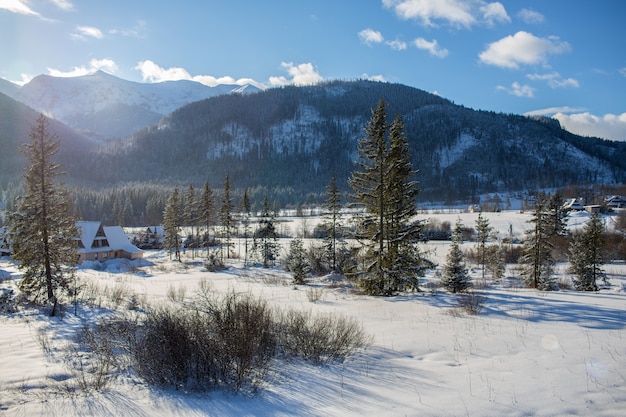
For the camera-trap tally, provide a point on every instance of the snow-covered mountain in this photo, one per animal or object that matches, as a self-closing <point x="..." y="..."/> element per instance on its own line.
<point x="103" y="106"/>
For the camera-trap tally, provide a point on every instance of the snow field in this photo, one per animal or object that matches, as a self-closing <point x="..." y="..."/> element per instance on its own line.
<point x="527" y="353"/>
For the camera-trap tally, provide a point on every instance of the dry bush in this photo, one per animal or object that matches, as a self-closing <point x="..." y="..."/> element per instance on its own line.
<point x="314" y="294"/>
<point x="472" y="302"/>
<point x="320" y="338"/>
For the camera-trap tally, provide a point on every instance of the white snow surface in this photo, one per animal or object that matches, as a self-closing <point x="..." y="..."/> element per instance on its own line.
<point x="527" y="353"/>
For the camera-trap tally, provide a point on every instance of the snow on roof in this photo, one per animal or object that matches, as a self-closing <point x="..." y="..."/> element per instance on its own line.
<point x="118" y="240"/>
<point x="88" y="231"/>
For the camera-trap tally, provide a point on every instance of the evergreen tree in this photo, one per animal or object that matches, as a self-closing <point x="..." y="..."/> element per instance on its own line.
<point x="557" y="216"/>
<point x="206" y="212"/>
<point x="495" y="261"/>
<point x="454" y="275"/>
<point x="43" y="228"/>
<point x="587" y="254"/>
<point x="266" y="238"/>
<point x="484" y="231"/>
<point x="190" y="215"/>
<point x="172" y="223"/>
<point x="536" y="259"/>
<point x="404" y="259"/>
<point x="383" y="186"/>
<point x="333" y="219"/>
<point x="226" y="214"/>
<point x="296" y="261"/>
<point x="245" y="220"/>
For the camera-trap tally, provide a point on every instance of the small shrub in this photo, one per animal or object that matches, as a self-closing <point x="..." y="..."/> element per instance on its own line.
<point x="472" y="302"/>
<point x="314" y="294"/>
<point x="321" y="338"/>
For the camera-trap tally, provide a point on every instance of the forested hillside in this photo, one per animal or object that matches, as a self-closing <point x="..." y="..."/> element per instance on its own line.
<point x="297" y="137"/>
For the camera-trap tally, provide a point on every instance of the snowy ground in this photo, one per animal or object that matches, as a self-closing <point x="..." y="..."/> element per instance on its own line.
<point x="527" y="353"/>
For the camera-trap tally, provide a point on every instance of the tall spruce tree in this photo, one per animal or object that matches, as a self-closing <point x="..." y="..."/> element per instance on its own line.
<point x="333" y="219"/>
<point x="206" y="213"/>
<point x="245" y="220"/>
<point x="172" y="223"/>
<point x="537" y="261"/>
<point x="557" y="215"/>
<point x="483" y="230"/>
<point x="587" y="254"/>
<point x="43" y="229"/>
<point x="226" y="214"/>
<point x="266" y="237"/>
<point x="190" y="216"/>
<point x="383" y="186"/>
<point x="454" y="276"/>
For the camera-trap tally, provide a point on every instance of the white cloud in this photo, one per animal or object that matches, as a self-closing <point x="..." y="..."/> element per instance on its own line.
<point x="136" y="31"/>
<point x="301" y="74"/>
<point x="458" y="13"/>
<point x="106" y="65"/>
<point x="398" y="45"/>
<point x="17" y="6"/>
<point x="432" y="47"/>
<point x="555" y="80"/>
<point x="155" y="74"/>
<point x="88" y="31"/>
<point x="63" y="4"/>
<point x="523" y="48"/>
<point x="623" y="71"/>
<point x="550" y="111"/>
<point x="25" y="79"/>
<point x="530" y="16"/>
<point x="519" y="90"/>
<point x="378" y="77"/>
<point x="494" y="13"/>
<point x="609" y="126"/>
<point x="370" y="36"/>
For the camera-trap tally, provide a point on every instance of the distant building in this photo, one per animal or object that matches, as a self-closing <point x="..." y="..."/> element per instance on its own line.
<point x="615" y="202"/>
<point x="100" y="243"/>
<point x="574" y="204"/>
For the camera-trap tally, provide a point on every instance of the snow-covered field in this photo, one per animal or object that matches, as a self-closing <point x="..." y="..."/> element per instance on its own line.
<point x="527" y="353"/>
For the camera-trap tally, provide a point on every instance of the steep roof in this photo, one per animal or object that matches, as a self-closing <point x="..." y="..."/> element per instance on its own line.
<point x="88" y="231"/>
<point x="118" y="239"/>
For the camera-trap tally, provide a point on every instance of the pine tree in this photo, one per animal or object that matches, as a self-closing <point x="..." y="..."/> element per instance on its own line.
<point x="587" y="254"/>
<point x="206" y="212"/>
<point x="226" y="214"/>
<point x="266" y="238"/>
<point x="557" y="216"/>
<point x="536" y="259"/>
<point x="483" y="230"/>
<point x="296" y="261"/>
<point x="333" y="219"/>
<point x="172" y="223"/>
<point x="245" y="220"/>
<point x="190" y="215"/>
<point x="43" y="228"/>
<point x="454" y="275"/>
<point x="383" y="186"/>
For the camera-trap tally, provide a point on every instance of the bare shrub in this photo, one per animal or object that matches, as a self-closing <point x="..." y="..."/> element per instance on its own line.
<point x="225" y="342"/>
<point x="321" y="338"/>
<point x="472" y="302"/>
<point x="314" y="294"/>
<point x="99" y="351"/>
<point x="176" y="295"/>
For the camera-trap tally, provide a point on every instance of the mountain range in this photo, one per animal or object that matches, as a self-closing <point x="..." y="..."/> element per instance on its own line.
<point x="294" y="138"/>
<point x="103" y="107"/>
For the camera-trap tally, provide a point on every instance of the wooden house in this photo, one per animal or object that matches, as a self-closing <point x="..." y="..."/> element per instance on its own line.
<point x="100" y="243"/>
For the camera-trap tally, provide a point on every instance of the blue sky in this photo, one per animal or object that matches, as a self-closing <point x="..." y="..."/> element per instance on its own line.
<point x="561" y="58"/>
